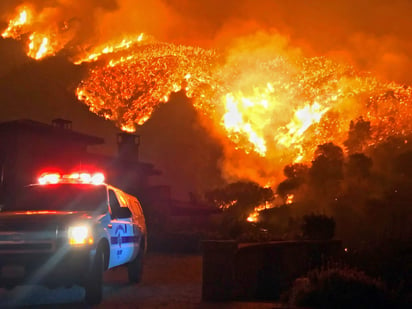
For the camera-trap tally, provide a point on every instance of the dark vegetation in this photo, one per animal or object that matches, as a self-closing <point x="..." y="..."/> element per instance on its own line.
<point x="360" y="194"/>
<point x="318" y="227"/>
<point x="340" y="287"/>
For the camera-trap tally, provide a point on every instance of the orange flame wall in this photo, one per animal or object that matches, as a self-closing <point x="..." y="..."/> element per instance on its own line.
<point x="268" y="102"/>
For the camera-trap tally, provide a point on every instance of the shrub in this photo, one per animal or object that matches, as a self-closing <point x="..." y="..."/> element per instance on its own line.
<point x="339" y="288"/>
<point x="390" y="259"/>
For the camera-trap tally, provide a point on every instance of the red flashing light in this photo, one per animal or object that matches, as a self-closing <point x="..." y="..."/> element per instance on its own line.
<point x="54" y="178"/>
<point x="97" y="178"/>
<point x="51" y="178"/>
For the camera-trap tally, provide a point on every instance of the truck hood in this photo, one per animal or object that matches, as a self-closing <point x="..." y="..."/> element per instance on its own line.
<point x="40" y="220"/>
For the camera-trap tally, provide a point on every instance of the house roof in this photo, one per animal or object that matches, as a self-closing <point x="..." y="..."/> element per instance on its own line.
<point x="49" y="130"/>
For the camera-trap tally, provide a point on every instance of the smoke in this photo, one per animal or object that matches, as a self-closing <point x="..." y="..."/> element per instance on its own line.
<point x="183" y="149"/>
<point x="373" y="37"/>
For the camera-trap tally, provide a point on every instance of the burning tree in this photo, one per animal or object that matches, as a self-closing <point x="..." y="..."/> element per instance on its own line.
<point x="238" y="200"/>
<point x="296" y="175"/>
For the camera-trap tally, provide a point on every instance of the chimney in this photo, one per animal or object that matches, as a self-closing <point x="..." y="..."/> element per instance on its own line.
<point x="128" y="146"/>
<point x="62" y="123"/>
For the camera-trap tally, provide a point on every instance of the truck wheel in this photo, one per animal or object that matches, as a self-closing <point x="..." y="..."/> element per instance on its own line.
<point x="135" y="267"/>
<point x="94" y="282"/>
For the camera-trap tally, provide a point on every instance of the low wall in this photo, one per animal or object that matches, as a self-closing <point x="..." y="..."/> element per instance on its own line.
<point x="259" y="271"/>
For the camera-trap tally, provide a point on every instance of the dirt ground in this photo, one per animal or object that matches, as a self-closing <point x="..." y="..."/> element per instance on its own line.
<point x="169" y="281"/>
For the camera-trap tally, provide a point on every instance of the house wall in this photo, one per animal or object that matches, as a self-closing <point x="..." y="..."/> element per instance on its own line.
<point x="260" y="271"/>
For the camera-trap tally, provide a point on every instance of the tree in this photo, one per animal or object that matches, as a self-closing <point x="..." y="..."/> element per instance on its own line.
<point x="317" y="226"/>
<point x="358" y="136"/>
<point x="327" y="167"/>
<point x="358" y="166"/>
<point x="240" y="198"/>
<point x="296" y="175"/>
<point x="296" y="171"/>
<point x="402" y="165"/>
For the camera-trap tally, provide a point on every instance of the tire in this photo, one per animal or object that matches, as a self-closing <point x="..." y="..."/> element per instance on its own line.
<point x="135" y="267"/>
<point x="94" y="282"/>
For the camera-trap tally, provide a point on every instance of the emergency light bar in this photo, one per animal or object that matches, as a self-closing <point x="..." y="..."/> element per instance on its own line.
<point x="54" y="178"/>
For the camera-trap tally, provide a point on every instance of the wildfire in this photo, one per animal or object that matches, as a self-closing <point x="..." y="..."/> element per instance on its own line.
<point x="303" y="119"/>
<point x="16" y="24"/>
<point x="276" y="108"/>
<point x="128" y="89"/>
<point x="289" y="199"/>
<point x="233" y="120"/>
<point x="274" y="105"/>
<point x="227" y="205"/>
<point x="40" y="46"/>
<point x="254" y="216"/>
<point x="114" y="47"/>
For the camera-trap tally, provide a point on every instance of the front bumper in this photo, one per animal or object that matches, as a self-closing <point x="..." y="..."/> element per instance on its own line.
<point x="67" y="266"/>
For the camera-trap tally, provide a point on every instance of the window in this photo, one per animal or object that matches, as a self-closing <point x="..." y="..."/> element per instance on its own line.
<point x="114" y="203"/>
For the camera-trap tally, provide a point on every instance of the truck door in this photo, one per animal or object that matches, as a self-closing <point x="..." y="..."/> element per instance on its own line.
<point x="121" y="234"/>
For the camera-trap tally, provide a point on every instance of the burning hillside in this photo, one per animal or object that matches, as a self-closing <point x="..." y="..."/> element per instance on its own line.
<point x="270" y="104"/>
<point x="275" y="107"/>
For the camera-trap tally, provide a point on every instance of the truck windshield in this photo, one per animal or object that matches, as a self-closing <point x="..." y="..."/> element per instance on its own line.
<point x="64" y="197"/>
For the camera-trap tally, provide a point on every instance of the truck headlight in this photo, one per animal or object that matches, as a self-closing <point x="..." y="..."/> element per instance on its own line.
<point x="80" y="235"/>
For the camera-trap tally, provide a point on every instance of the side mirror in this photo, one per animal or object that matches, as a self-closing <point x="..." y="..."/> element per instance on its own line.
<point x="123" y="212"/>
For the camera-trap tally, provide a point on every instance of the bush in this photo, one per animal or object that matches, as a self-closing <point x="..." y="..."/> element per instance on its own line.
<point x="318" y="227"/>
<point x="389" y="259"/>
<point x="339" y="288"/>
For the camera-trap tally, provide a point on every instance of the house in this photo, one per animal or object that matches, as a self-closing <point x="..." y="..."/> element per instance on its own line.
<point x="28" y="148"/>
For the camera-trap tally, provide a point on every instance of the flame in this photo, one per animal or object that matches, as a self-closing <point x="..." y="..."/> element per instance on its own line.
<point x="289" y="199"/>
<point x="111" y="48"/>
<point x="227" y="205"/>
<point x="234" y="122"/>
<point x="254" y="216"/>
<point x="304" y="118"/>
<point x="125" y="128"/>
<point x="16" y="24"/>
<point x="40" y="46"/>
